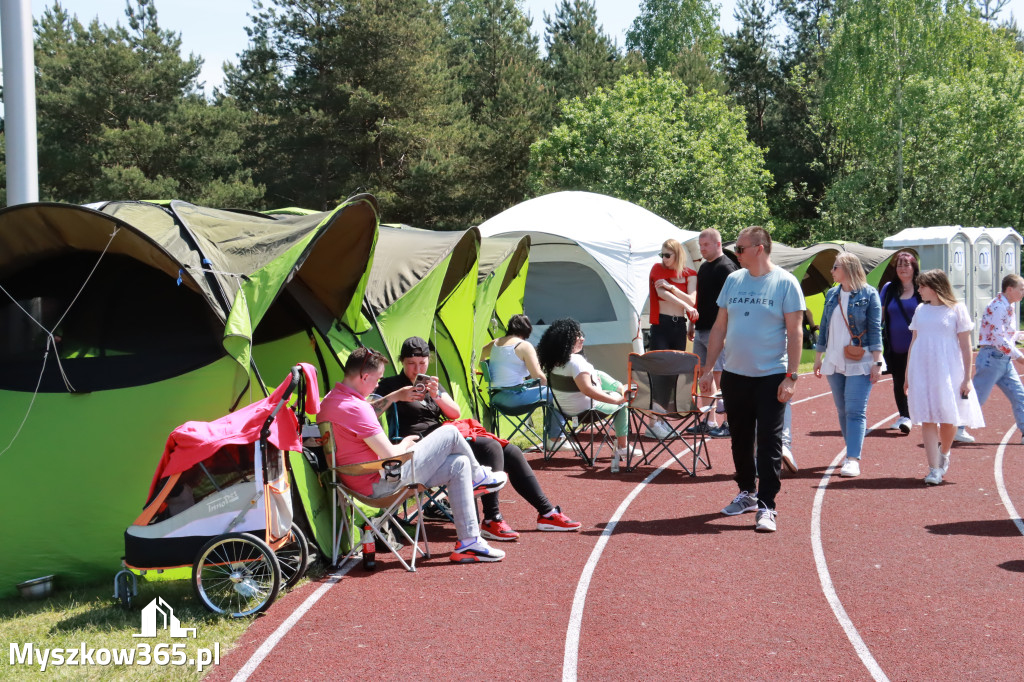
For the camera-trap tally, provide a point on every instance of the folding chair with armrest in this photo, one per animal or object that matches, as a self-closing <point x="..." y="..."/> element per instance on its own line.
<point x="352" y="514"/>
<point x="597" y="425"/>
<point x="520" y="416"/>
<point x="673" y="375"/>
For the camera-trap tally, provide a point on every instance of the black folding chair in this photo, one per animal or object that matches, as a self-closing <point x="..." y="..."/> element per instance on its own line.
<point x="520" y="417"/>
<point x="674" y="375"/>
<point x="588" y="431"/>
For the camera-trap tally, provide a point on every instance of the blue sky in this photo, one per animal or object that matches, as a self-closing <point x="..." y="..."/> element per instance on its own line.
<point x="215" y="29"/>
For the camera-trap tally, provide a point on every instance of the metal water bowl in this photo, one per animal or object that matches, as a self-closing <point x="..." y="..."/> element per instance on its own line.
<point x="37" y="588"/>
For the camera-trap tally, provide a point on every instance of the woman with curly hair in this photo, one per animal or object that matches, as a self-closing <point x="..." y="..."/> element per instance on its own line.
<point x="560" y="352"/>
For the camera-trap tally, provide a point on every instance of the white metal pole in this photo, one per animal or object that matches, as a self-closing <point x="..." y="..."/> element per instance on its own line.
<point x="19" y="101"/>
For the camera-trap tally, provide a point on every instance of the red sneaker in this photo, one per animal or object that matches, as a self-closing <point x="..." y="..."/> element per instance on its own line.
<point x="498" y="530"/>
<point x="557" y="522"/>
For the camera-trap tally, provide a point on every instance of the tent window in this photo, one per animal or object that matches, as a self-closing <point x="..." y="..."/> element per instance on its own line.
<point x="563" y="289"/>
<point x="230" y="465"/>
<point x="131" y="325"/>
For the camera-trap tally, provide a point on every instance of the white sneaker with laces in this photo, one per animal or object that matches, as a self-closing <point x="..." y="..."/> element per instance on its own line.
<point x="851" y="468"/>
<point x="934" y="477"/>
<point x="765" y="521"/>
<point x="963" y="437"/>
<point x="945" y="462"/>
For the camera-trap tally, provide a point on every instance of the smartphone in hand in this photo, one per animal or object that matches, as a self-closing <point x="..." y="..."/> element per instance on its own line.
<point x="421" y="383"/>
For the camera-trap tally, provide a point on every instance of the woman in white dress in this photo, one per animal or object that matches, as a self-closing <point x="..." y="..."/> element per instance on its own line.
<point x="940" y="394"/>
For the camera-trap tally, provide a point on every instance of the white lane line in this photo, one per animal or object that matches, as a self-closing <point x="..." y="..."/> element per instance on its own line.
<point x="825" y="578"/>
<point x="1000" y="485"/>
<point x="572" y="635"/>
<point x="264" y="649"/>
<point x="570" y="659"/>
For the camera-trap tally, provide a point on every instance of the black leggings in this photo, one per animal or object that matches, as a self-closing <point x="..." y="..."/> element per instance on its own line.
<point x="511" y="460"/>
<point x="897" y="364"/>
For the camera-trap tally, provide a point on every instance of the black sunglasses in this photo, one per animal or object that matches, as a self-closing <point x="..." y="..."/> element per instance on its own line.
<point x="740" y="249"/>
<point x="667" y="255"/>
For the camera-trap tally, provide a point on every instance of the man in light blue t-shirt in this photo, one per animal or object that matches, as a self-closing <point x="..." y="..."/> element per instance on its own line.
<point x="760" y="313"/>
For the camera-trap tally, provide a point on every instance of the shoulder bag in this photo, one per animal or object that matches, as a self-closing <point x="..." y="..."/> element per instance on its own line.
<point x="852" y="352"/>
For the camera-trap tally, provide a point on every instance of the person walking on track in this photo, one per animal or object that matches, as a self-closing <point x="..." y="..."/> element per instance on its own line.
<point x="759" y="324"/>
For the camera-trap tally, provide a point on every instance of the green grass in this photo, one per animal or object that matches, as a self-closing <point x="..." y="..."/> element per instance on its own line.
<point x="91" y="616"/>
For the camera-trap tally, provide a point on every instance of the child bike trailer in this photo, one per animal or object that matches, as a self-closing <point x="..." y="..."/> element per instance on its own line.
<point x="221" y="503"/>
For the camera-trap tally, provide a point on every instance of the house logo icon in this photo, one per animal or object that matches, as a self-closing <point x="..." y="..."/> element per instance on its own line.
<point x="170" y="622"/>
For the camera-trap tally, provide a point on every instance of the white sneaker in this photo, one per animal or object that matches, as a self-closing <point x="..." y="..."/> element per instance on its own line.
<point x="659" y="429"/>
<point x="556" y="445"/>
<point x="904" y="424"/>
<point x="934" y="477"/>
<point x="963" y="437"/>
<point x="851" y="468"/>
<point x="896" y="424"/>
<point x="765" y="520"/>
<point x="945" y="462"/>
<point x="788" y="460"/>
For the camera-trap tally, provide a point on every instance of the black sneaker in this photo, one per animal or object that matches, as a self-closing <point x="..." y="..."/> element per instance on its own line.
<point x="698" y="428"/>
<point x="437" y="511"/>
<point x="720" y="431"/>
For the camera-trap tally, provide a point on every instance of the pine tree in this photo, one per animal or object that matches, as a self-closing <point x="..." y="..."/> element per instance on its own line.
<point x="496" y="57"/>
<point x="581" y="57"/>
<point x="356" y="96"/>
<point x="121" y="116"/>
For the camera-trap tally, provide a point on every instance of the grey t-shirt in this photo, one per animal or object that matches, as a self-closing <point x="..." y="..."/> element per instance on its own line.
<point x="755" y="340"/>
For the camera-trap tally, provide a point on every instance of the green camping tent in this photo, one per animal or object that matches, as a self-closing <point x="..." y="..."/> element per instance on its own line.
<point x="501" y="288"/>
<point x="423" y="283"/>
<point x="159" y="314"/>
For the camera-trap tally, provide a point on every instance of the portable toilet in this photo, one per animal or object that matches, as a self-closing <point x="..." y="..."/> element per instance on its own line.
<point x="1008" y="243"/>
<point x="985" y="272"/>
<point x="945" y="247"/>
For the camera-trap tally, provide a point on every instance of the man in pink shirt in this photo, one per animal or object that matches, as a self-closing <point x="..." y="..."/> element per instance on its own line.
<point x="998" y="355"/>
<point x="442" y="458"/>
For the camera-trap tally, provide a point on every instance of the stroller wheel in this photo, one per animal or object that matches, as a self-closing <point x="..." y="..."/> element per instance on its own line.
<point x="293" y="558"/>
<point x="236" y="575"/>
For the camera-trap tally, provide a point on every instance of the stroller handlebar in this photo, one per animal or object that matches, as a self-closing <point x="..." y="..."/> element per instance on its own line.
<point x="296" y="379"/>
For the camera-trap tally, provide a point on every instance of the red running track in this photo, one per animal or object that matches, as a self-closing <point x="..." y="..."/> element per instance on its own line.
<point x="895" y="580"/>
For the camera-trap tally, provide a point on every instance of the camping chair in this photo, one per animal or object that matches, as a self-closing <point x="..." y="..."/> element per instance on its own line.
<point x="588" y="431"/>
<point x="521" y="417"/>
<point x="677" y="372"/>
<point x="353" y="514"/>
<point x="436" y="497"/>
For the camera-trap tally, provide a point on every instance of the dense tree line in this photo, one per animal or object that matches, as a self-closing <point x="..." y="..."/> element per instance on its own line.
<point x="820" y="118"/>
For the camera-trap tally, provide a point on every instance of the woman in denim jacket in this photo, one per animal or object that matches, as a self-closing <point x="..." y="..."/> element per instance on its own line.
<point x="850" y="380"/>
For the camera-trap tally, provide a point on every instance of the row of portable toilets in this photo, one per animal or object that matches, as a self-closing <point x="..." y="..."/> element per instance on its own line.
<point x="975" y="258"/>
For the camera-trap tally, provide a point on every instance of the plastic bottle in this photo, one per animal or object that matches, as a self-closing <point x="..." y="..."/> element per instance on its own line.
<point x="615" y="462"/>
<point x="369" y="550"/>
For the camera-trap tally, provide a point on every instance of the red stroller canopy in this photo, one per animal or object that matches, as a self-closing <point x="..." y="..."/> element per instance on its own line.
<point x="195" y="441"/>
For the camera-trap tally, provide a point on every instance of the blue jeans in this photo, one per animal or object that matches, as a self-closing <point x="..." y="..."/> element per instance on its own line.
<point x="513" y="398"/>
<point x="850" y="394"/>
<point x="992" y="368"/>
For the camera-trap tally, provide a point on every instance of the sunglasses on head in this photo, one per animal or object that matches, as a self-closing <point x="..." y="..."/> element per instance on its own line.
<point x="370" y="353"/>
